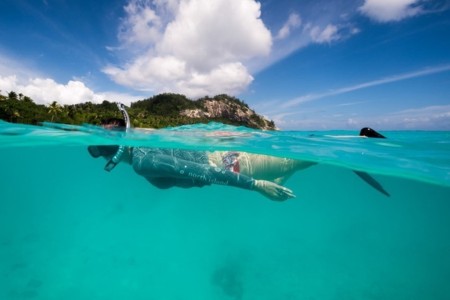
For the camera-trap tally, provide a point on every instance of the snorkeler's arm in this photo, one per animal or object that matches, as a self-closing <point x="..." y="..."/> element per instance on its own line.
<point x="166" y="166"/>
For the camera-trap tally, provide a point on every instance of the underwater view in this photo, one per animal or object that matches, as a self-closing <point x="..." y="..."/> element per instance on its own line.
<point x="71" y="230"/>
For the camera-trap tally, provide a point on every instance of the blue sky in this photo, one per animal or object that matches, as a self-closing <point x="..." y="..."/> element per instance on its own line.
<point x="305" y="64"/>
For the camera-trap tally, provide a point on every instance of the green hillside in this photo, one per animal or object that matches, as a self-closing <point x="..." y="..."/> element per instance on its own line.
<point x="159" y="111"/>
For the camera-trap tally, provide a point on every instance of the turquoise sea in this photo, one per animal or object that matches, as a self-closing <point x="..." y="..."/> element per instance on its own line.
<point x="70" y="230"/>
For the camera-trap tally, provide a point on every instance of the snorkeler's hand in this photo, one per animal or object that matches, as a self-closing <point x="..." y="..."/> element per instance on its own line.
<point x="273" y="191"/>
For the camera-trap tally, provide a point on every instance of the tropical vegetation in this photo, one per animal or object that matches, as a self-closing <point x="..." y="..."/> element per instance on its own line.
<point x="159" y="111"/>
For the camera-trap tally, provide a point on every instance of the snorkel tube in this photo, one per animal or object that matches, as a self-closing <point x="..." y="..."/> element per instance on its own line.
<point x="112" y="163"/>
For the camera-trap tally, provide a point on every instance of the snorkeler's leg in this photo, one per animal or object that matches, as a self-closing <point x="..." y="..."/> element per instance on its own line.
<point x="293" y="166"/>
<point x="271" y="168"/>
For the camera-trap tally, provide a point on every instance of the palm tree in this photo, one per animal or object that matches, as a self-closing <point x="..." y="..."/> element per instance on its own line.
<point x="12" y="95"/>
<point x="54" y="109"/>
<point x="12" y="112"/>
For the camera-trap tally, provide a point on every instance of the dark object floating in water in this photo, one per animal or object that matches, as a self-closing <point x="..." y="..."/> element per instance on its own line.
<point x="370" y="133"/>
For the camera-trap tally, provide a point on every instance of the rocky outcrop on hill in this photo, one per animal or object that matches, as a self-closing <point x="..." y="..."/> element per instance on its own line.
<point x="221" y="108"/>
<point x="225" y="107"/>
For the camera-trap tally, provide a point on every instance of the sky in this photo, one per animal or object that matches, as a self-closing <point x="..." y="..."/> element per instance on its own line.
<point x="306" y="64"/>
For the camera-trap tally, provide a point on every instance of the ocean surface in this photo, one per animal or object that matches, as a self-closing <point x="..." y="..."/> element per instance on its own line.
<point x="70" y="230"/>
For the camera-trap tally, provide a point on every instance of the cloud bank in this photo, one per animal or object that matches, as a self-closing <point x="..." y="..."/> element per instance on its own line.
<point x="46" y="90"/>
<point x="194" y="47"/>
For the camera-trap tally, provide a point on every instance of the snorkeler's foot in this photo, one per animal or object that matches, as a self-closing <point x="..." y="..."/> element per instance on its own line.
<point x="273" y="191"/>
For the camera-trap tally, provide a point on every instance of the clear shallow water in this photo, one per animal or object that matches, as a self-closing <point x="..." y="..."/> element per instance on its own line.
<point x="70" y="230"/>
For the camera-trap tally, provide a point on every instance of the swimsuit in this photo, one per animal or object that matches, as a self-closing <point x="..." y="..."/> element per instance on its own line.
<point x="231" y="162"/>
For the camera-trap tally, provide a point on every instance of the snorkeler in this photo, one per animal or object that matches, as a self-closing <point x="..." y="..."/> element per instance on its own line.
<point x="165" y="168"/>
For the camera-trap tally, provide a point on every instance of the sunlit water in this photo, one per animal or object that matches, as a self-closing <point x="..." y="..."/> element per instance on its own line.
<point x="70" y="230"/>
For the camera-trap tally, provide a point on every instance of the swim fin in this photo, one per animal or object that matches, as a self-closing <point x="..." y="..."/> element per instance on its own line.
<point x="372" y="182"/>
<point x="370" y="133"/>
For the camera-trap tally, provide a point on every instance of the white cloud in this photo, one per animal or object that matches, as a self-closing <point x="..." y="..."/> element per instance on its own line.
<point x="233" y="76"/>
<point x="390" y="10"/>
<point x="200" y="42"/>
<point x="46" y="90"/>
<point x="324" y="35"/>
<point x="293" y="22"/>
<point x="142" y="27"/>
<point x="364" y="85"/>
<point x="19" y="77"/>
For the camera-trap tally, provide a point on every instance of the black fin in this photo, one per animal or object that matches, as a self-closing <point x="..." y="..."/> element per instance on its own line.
<point x="372" y="182"/>
<point x="370" y="133"/>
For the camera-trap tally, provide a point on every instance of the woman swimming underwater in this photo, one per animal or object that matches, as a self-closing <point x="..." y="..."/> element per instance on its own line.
<point x="165" y="168"/>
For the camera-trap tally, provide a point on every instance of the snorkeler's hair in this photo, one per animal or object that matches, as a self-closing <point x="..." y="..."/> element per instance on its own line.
<point x="114" y="124"/>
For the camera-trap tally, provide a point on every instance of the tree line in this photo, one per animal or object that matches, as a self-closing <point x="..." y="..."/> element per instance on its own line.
<point x="156" y="112"/>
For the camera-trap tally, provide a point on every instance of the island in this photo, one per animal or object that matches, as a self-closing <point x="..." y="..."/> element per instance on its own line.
<point x="159" y="111"/>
